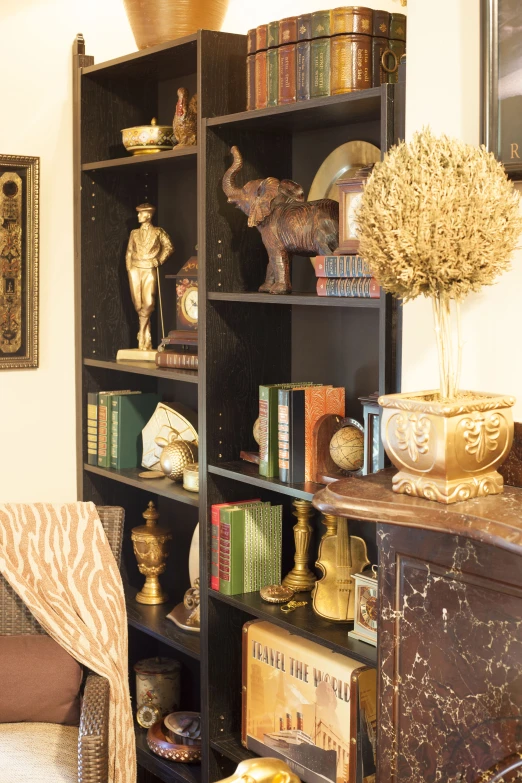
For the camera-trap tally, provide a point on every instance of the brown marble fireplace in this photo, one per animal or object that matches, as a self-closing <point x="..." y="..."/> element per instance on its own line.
<point x="450" y="631"/>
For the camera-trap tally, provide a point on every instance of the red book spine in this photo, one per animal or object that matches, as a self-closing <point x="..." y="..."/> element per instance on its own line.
<point x="365" y="287"/>
<point x="287" y="74"/>
<point x="261" y="81"/>
<point x="224" y="552"/>
<point x="214" y="554"/>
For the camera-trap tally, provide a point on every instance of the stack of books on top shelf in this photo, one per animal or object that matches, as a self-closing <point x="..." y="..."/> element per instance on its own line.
<point x="246" y="546"/>
<point x="345" y="276"/>
<point x="179" y="350"/>
<point x="287" y="416"/>
<point x="115" y="420"/>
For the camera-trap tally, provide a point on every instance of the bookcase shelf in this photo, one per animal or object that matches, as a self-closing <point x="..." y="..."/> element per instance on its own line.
<point x="152" y="621"/>
<point x="248" y="473"/>
<point x="145" y="368"/>
<point x="175" y="155"/>
<point x="295" y="299"/>
<point x="245" y="338"/>
<point x="167" y="771"/>
<point x="160" y="486"/>
<point x="305" y="623"/>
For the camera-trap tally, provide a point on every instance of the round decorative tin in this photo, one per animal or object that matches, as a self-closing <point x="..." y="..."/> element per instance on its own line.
<point x="145" y="139"/>
<point x="276" y="594"/>
<point x="157" y="688"/>
<point x="191" y="477"/>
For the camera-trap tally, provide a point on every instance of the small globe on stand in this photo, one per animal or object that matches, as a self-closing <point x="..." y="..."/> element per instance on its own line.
<point x="347" y="448"/>
<point x="257" y="431"/>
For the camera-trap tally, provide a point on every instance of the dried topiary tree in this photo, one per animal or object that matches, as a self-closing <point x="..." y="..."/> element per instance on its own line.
<point x="439" y="218"/>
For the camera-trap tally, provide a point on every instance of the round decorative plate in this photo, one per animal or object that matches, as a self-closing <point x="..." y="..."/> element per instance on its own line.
<point x="343" y="162"/>
<point x="276" y="594"/>
<point x="159" y="744"/>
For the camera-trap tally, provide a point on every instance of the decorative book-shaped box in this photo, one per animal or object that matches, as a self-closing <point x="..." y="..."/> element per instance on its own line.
<point x="313" y="708"/>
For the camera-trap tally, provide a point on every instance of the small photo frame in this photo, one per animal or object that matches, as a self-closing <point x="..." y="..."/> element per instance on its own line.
<point x="19" y="183"/>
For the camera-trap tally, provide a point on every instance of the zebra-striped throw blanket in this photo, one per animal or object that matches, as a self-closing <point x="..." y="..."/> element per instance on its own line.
<point x="57" y="558"/>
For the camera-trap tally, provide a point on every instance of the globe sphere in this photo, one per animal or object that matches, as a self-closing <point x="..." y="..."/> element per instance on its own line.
<point x="347" y="448"/>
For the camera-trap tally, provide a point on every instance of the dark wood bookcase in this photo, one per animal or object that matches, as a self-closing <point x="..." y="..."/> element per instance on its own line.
<point x="245" y="338"/>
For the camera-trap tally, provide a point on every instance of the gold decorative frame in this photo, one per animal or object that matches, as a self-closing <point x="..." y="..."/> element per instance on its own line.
<point x="28" y="170"/>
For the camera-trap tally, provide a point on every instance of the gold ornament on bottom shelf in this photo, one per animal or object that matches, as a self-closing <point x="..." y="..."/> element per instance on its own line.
<point x="151" y="546"/>
<point x="300" y="578"/>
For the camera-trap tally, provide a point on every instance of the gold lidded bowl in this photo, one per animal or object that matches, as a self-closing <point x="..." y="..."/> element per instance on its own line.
<point x="147" y="139"/>
<point x="447" y="451"/>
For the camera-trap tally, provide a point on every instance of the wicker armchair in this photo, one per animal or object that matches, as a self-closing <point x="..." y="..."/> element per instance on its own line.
<point x="15" y="619"/>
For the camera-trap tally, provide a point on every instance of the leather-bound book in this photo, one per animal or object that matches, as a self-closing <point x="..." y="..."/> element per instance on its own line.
<point x="261" y="81"/>
<point x="261" y="37"/>
<point x="288" y="30"/>
<point x="251" y="41"/>
<point x="379" y="47"/>
<point x="272" y="35"/>
<point x="287" y="74"/>
<point x="320" y="67"/>
<point x="320" y="24"/>
<point x="398" y="27"/>
<point x="251" y="82"/>
<point x="304" y="34"/>
<point x="351" y="63"/>
<point x="381" y="24"/>
<point x="398" y="48"/>
<point x="272" y="76"/>
<point x="351" y="19"/>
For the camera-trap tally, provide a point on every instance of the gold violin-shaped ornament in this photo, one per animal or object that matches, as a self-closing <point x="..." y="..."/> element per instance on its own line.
<point x="340" y="556"/>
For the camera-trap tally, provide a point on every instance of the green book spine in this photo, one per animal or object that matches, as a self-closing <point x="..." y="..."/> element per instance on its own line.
<point x="320" y="68"/>
<point x="272" y="67"/>
<point x="129" y="415"/>
<point x="276" y="542"/>
<point x="104" y="453"/>
<point x="320" y="24"/>
<point x="268" y="442"/>
<point x="92" y="428"/>
<point x="232" y="529"/>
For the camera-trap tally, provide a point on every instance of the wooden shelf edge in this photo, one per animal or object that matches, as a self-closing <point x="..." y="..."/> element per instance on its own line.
<point x="296" y="108"/>
<point x="141" y="54"/>
<point x="247" y="474"/>
<point x="164" y="487"/>
<point x="294" y="299"/>
<point x="152" y="620"/>
<point x="141" y="368"/>
<point x="232" y="748"/>
<point x="293" y="622"/>
<point x="167" y="771"/>
<point x="142" y="160"/>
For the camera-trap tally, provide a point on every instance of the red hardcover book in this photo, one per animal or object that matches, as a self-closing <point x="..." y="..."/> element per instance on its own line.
<point x="287" y="74"/>
<point x="261" y="81"/>
<point x="214" y="560"/>
<point x="366" y="287"/>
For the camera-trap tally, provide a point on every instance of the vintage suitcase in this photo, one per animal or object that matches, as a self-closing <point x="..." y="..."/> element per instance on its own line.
<point x="313" y="708"/>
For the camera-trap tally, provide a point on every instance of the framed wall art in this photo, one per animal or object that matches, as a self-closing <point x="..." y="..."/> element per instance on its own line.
<point x="502" y="82"/>
<point x="19" y="180"/>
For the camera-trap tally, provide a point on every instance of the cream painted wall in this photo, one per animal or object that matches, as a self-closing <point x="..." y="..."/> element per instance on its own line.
<point x="37" y="415"/>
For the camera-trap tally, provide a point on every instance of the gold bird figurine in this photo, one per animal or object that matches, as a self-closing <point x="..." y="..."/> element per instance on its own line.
<point x="185" y="119"/>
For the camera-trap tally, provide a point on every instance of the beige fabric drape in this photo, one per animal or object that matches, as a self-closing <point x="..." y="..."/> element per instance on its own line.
<point x="57" y="558"/>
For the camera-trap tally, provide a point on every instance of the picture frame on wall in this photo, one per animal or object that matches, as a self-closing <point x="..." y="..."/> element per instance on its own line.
<point x="502" y="82"/>
<point x="19" y="257"/>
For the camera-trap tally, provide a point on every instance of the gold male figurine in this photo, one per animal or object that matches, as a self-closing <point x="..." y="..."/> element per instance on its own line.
<point x="149" y="247"/>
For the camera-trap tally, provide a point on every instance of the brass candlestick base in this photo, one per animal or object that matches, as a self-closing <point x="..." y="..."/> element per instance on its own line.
<point x="151" y="547"/>
<point x="300" y="578"/>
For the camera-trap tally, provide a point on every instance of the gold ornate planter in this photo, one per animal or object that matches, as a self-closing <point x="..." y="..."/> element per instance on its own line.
<point x="156" y="21"/>
<point x="447" y="451"/>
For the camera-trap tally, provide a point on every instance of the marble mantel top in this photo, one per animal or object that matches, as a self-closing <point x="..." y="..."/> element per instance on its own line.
<point x="496" y="520"/>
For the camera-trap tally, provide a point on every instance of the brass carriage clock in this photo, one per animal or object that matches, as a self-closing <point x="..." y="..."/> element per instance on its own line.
<point x="187" y="295"/>
<point x="365" y="614"/>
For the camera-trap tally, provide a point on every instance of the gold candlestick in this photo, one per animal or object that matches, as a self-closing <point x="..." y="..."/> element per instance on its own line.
<point x="151" y="547"/>
<point x="300" y="578"/>
<point x="330" y="522"/>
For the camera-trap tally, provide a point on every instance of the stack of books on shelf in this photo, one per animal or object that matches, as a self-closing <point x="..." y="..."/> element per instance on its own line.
<point x="287" y="416"/>
<point x="345" y="276"/>
<point x="246" y="546"/>
<point x="115" y="420"/>
<point x="323" y="53"/>
<point x="179" y="350"/>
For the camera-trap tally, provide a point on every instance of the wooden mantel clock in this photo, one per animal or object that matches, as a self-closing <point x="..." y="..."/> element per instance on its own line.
<point x="350" y="195"/>
<point x="187" y="295"/>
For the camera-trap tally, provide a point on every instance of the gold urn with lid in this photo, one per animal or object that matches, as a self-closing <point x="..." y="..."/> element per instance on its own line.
<point x="151" y="546"/>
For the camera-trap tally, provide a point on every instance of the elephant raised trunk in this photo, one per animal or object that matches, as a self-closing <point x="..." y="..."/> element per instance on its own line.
<point x="286" y="222"/>
<point x="232" y="192"/>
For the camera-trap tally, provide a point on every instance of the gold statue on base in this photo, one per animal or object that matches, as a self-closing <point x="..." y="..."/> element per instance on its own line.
<point x="149" y="247"/>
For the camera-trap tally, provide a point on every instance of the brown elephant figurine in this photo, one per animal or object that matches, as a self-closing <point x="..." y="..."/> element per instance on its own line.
<point x="287" y="223"/>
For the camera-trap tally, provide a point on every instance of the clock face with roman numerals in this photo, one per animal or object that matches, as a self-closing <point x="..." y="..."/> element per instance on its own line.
<point x="367" y="607"/>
